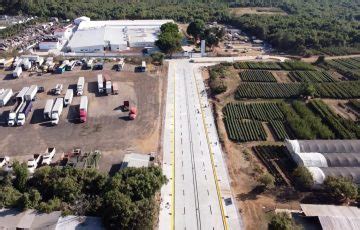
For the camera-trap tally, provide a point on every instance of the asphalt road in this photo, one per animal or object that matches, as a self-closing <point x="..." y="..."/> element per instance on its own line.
<point x="198" y="194"/>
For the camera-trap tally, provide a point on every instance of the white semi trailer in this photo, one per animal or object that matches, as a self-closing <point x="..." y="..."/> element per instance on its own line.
<point x="48" y="108"/>
<point x="57" y="110"/>
<point x="80" y="86"/>
<point x="5" y="97"/>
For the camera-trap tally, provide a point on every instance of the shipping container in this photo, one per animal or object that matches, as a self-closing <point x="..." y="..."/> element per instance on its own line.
<point x="48" y="108"/>
<point x="31" y="93"/>
<point x="5" y="97"/>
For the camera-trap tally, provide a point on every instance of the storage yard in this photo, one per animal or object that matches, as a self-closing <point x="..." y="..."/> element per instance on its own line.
<point x="106" y="126"/>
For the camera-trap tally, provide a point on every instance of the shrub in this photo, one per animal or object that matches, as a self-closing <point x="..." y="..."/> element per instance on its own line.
<point x="303" y="177"/>
<point x="340" y="189"/>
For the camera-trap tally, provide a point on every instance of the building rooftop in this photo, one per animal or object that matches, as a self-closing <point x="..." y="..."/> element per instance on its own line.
<point x="334" y="217"/>
<point x="135" y="160"/>
<point x="122" y="23"/>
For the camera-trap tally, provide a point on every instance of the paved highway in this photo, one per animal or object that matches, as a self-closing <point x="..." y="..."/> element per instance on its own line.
<point x="198" y="194"/>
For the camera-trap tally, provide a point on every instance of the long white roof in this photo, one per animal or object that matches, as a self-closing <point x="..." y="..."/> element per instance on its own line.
<point x="122" y="23"/>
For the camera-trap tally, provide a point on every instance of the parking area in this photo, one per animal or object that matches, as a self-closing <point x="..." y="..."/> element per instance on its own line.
<point x="107" y="129"/>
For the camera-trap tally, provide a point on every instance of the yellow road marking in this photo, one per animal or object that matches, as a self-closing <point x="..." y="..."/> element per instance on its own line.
<point x="212" y="161"/>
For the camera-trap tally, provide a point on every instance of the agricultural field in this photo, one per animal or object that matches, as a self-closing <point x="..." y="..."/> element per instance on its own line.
<point x="288" y="65"/>
<point x="254" y="111"/>
<point x="339" y="90"/>
<point x="349" y="67"/>
<point x="343" y="128"/>
<point x="311" y="76"/>
<point x="257" y="76"/>
<point x="241" y="131"/>
<point x="279" y="129"/>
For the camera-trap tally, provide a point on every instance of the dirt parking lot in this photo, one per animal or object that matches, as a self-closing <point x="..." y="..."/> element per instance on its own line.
<point x="107" y="128"/>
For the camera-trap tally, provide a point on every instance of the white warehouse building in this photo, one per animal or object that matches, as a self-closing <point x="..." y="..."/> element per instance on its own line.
<point x="99" y="36"/>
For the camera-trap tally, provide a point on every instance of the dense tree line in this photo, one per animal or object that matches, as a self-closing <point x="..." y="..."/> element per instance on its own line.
<point x="309" y="25"/>
<point x="179" y="10"/>
<point x="124" y="201"/>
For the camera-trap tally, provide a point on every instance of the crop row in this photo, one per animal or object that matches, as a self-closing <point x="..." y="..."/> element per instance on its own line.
<point x="268" y="90"/>
<point x="342" y="128"/>
<point x="355" y="104"/>
<point x="279" y="130"/>
<point x="349" y="67"/>
<point x="255" y="111"/>
<point x="242" y="131"/>
<point x="257" y="76"/>
<point x="257" y="65"/>
<point x="311" y="76"/>
<point x="338" y="90"/>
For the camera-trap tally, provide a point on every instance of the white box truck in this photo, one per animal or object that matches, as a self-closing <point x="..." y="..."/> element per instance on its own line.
<point x="57" y="110"/>
<point x="48" y="108"/>
<point x="83" y="108"/>
<point x="68" y="97"/>
<point x="17" y="107"/>
<point x="31" y="93"/>
<point x="100" y="83"/>
<point x="17" y="72"/>
<point x="80" y="86"/>
<point x="5" y="97"/>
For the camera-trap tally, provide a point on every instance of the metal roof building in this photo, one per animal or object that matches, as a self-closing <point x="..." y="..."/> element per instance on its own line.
<point x="334" y="217"/>
<point x="117" y="35"/>
<point x="337" y="158"/>
<point x="136" y="160"/>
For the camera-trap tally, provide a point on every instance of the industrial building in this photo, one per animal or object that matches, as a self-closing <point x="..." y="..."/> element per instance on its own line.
<point x="323" y="158"/>
<point x="330" y="217"/>
<point x="99" y="36"/>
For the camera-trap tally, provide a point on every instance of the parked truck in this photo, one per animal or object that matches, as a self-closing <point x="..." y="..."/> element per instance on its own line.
<point x="57" y="110"/>
<point x="100" y="83"/>
<point x="33" y="163"/>
<point x="115" y="88"/>
<point x="133" y="113"/>
<point x="58" y="89"/>
<point x="89" y="63"/>
<point x="17" y="72"/>
<point x="24" y="112"/>
<point x="80" y="86"/>
<point x="48" y="156"/>
<point x="5" y="97"/>
<point x="48" y="108"/>
<point x="68" y="97"/>
<point x="83" y="108"/>
<point x="31" y="93"/>
<point x="108" y="84"/>
<point x="15" y="110"/>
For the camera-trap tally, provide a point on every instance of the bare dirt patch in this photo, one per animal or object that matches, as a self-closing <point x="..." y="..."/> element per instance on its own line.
<point x="257" y="10"/>
<point x="107" y="128"/>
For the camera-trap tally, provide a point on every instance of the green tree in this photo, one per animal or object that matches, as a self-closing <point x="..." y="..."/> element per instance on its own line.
<point x="51" y="205"/>
<point x="30" y="200"/>
<point x="67" y="189"/>
<point x="21" y="176"/>
<point x="119" y="211"/>
<point x="158" y="57"/>
<point x="303" y="177"/>
<point x="267" y="180"/>
<point x="309" y="90"/>
<point x="169" y="40"/>
<point x="9" y="197"/>
<point x="340" y="189"/>
<point x="196" y="28"/>
<point x="281" y="221"/>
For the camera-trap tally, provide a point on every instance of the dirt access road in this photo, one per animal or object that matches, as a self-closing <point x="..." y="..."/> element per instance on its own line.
<point x="107" y="128"/>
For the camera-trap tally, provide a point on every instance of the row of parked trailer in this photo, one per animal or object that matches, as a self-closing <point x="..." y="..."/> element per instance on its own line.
<point x="53" y="108"/>
<point x="106" y="86"/>
<point x="23" y="106"/>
